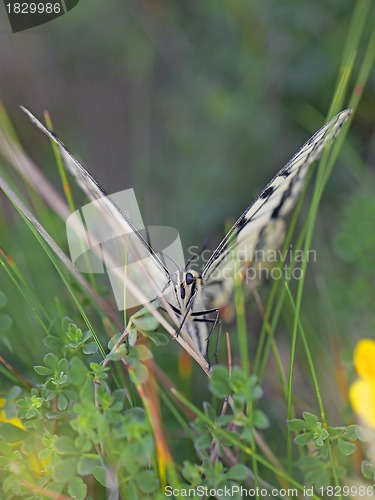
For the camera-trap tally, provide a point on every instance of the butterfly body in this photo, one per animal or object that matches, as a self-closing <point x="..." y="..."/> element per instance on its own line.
<point x="189" y="303"/>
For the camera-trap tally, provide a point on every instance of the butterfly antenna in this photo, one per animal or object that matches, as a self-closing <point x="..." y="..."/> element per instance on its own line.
<point x="173" y="262"/>
<point x="200" y="251"/>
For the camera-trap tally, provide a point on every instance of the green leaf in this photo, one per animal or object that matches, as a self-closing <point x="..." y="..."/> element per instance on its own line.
<point x="143" y="353"/>
<point x="131" y="490"/>
<point x="147" y="481"/>
<point x="304" y="438"/>
<point x="224" y="420"/>
<point x="307" y="462"/>
<point x="310" y="419"/>
<point x="203" y="442"/>
<point x="44" y="454"/>
<point x="5" y="323"/>
<point x="319" y="441"/>
<point x="341" y="471"/>
<point x="90" y="348"/>
<point x="64" y="470"/>
<point x="113" y="356"/>
<point x="320" y="477"/>
<point x="100" y="475"/>
<point x="43" y="370"/>
<point x="132" y="337"/>
<point x="11" y="483"/>
<point x="88" y="464"/>
<point x="350" y="433"/>
<point x="62" y="402"/>
<point x="3" y="300"/>
<point x="209" y="410"/>
<point x="62" y="365"/>
<point x="238" y="472"/>
<point x="56" y="487"/>
<point x="13" y="393"/>
<point x="10" y="433"/>
<point x="113" y="341"/>
<point x="365" y="435"/>
<point x="53" y="343"/>
<point x="78" y="371"/>
<point x="324" y="433"/>
<point x="77" y="488"/>
<point x="260" y="420"/>
<point x="87" y="391"/>
<point x="51" y="360"/>
<point x="239" y="379"/>
<point x="219" y="382"/>
<point x="10" y="407"/>
<point x="368" y="470"/>
<point x="66" y="322"/>
<point x="346" y="447"/>
<point x="146" y="322"/>
<point x="296" y="425"/>
<point x="65" y="445"/>
<point x="141" y="372"/>
<point x="6" y="449"/>
<point x="158" y="338"/>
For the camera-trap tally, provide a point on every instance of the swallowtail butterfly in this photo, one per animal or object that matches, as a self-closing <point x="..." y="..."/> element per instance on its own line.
<point x="196" y="297"/>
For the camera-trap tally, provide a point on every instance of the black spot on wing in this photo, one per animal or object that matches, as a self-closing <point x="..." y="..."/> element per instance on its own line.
<point x="286" y="173"/>
<point x="241" y="223"/>
<point x="267" y="192"/>
<point x="285" y="196"/>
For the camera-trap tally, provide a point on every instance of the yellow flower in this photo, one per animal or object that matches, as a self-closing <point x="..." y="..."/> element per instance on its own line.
<point x="362" y="391"/>
<point x="3" y="418"/>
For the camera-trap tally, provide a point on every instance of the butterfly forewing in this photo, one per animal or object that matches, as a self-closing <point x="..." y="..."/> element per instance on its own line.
<point x="114" y="241"/>
<point x="251" y="232"/>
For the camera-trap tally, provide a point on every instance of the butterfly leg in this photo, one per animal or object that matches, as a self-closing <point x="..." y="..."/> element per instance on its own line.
<point x="218" y="322"/>
<point x="214" y="322"/>
<point x="178" y="312"/>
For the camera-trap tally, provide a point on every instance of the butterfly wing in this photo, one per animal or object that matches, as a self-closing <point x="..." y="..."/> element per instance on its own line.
<point x="262" y="226"/>
<point x="124" y="243"/>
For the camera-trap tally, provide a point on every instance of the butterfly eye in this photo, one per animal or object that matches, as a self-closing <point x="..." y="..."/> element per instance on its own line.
<point x="189" y="279"/>
<point x="174" y="278"/>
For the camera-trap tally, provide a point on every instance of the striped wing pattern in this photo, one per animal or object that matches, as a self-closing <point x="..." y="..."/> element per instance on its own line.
<point x="262" y="224"/>
<point x="116" y="217"/>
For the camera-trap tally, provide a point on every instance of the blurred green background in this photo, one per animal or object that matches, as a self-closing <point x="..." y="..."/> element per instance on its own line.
<point x="196" y="105"/>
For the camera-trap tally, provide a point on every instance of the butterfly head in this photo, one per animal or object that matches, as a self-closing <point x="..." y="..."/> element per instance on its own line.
<point x="185" y="285"/>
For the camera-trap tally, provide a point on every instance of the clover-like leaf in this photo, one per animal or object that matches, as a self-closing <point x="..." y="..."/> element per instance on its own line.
<point x="51" y="360"/>
<point x="310" y="419"/>
<point x="296" y="425"/>
<point x="304" y="438"/>
<point x="238" y="472"/>
<point x="346" y="447"/>
<point x="146" y="481"/>
<point x="77" y="488"/>
<point x="219" y="382"/>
